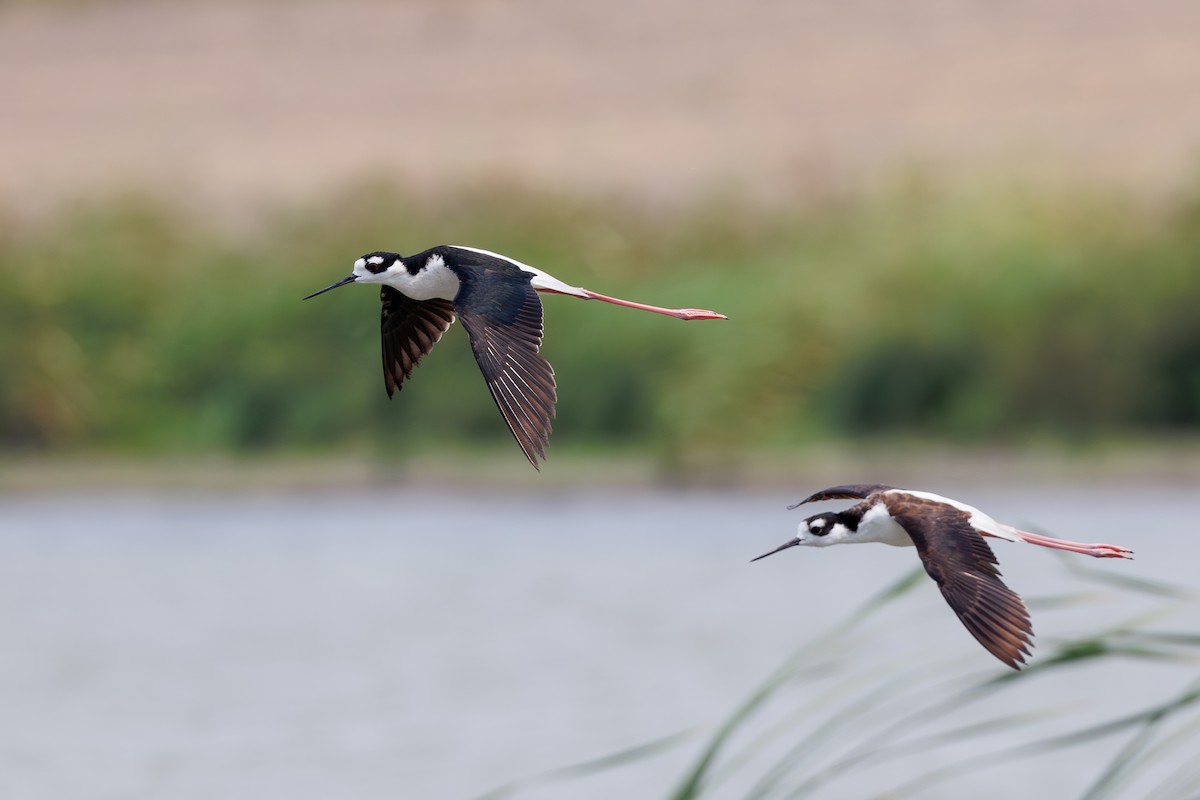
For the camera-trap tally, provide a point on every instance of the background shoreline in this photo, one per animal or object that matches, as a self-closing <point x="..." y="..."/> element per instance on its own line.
<point x="1174" y="465"/>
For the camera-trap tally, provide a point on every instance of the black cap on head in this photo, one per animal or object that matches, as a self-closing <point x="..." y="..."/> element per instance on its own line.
<point x="379" y="261"/>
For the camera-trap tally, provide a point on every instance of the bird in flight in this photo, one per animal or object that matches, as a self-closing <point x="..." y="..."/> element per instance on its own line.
<point x="949" y="537"/>
<point x="496" y="298"/>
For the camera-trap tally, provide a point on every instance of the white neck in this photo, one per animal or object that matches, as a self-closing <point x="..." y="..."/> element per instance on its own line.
<point x="435" y="280"/>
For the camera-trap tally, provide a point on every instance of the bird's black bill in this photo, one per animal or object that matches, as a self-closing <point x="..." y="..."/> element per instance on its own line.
<point x="342" y="282"/>
<point x="792" y="543"/>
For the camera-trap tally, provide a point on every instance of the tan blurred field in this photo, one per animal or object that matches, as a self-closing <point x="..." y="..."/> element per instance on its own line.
<point x="231" y="567"/>
<point x="526" y="126"/>
<point x="665" y="99"/>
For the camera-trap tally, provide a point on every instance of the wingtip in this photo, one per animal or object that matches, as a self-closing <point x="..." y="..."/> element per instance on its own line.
<point x="1013" y="657"/>
<point x="534" y="456"/>
<point x="812" y="498"/>
<point x="855" y="491"/>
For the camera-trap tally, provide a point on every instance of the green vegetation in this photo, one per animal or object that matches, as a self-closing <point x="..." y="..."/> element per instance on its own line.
<point x="127" y="327"/>
<point x="833" y="713"/>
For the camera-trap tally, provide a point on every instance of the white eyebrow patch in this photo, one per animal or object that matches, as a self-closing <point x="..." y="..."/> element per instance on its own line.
<point x="817" y="523"/>
<point x="375" y="260"/>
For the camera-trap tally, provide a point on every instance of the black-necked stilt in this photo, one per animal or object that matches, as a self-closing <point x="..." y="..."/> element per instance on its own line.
<point x="949" y="537"/>
<point x="496" y="298"/>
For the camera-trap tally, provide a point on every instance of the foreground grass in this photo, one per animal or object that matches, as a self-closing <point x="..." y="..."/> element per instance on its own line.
<point x="832" y="722"/>
<point x="980" y="317"/>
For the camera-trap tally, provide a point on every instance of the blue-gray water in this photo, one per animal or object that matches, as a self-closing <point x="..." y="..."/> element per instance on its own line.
<point x="427" y="644"/>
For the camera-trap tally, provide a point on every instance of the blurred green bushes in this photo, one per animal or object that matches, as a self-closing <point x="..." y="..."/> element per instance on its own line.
<point x="131" y="327"/>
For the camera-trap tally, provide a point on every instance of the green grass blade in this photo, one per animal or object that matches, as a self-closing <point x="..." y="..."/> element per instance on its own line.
<point x="583" y="769"/>
<point x="1117" y="768"/>
<point x="690" y="787"/>
<point x="1133" y="583"/>
<point x="1057" y="742"/>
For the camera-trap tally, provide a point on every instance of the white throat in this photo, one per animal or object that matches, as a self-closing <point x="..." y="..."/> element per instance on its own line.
<point x="434" y="280"/>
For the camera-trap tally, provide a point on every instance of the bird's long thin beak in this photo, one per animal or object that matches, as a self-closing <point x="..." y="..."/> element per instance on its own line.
<point x="342" y="282"/>
<point x="792" y="543"/>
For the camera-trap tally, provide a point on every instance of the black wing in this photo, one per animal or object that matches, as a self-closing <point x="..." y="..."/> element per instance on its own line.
<point x="965" y="569"/>
<point x="410" y="330"/>
<point x="503" y="317"/>
<point x="856" y="491"/>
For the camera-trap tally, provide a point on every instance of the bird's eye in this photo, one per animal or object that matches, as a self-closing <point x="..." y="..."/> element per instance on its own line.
<point x="375" y="265"/>
<point x="817" y="528"/>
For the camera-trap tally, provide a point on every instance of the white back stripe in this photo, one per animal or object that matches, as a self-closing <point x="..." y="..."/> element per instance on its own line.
<point x="541" y="280"/>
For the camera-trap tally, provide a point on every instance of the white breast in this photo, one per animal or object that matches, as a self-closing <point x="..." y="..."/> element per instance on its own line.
<point x="877" y="525"/>
<point x="435" y="280"/>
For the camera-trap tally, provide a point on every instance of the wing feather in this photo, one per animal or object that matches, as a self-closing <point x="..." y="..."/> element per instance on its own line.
<point x="502" y="314"/>
<point x="855" y="491"/>
<point x="965" y="569"/>
<point x="410" y="328"/>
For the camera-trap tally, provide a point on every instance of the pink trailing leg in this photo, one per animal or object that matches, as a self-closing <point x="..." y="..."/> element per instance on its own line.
<point x="678" y="313"/>
<point x="1087" y="549"/>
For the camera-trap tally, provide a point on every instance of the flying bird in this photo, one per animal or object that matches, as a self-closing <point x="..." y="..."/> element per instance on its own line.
<point x="496" y="298"/>
<point x="949" y="537"/>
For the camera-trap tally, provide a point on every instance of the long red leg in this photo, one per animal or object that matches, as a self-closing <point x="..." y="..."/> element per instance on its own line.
<point x="678" y="313"/>
<point x="1086" y="548"/>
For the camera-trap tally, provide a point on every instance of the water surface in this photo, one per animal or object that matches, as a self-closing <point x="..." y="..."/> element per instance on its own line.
<point x="415" y="643"/>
